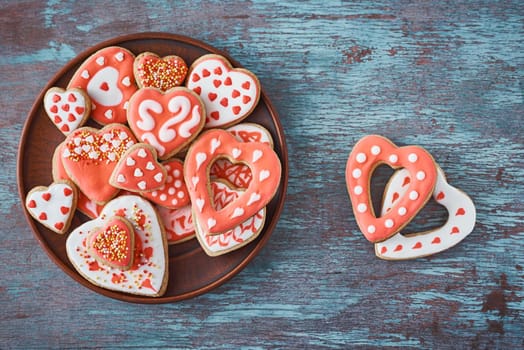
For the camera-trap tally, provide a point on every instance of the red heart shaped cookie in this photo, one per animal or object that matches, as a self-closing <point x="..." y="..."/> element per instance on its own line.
<point x="237" y="237"/>
<point x="163" y="73"/>
<point x="114" y="243"/>
<point x="147" y="274"/>
<point x="229" y="94"/>
<point x="53" y="206"/>
<point x="67" y="109"/>
<point x="167" y="121"/>
<point x="138" y="170"/>
<point x="265" y="168"/>
<point x="90" y="155"/>
<point x="173" y="193"/>
<point x="107" y="77"/>
<point x="370" y="152"/>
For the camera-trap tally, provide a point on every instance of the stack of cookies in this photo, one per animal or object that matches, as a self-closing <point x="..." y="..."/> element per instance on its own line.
<point x="169" y="159"/>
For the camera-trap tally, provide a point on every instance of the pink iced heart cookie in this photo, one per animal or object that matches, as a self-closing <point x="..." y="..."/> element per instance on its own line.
<point x="239" y="174"/>
<point x="167" y="121"/>
<point x="367" y="154"/>
<point x="107" y="77"/>
<point x="163" y="73"/>
<point x="178" y="223"/>
<point x="173" y="193"/>
<point x="90" y="155"/>
<point x="237" y="237"/>
<point x="460" y="223"/>
<point x="229" y="94"/>
<point x="147" y="274"/>
<point x="67" y="109"/>
<point x="114" y="243"/>
<point x="265" y="169"/>
<point x="138" y="170"/>
<point x="53" y="206"/>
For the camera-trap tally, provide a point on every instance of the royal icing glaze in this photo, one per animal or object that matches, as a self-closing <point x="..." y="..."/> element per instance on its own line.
<point x="138" y="170"/>
<point x="167" y="121"/>
<point x="107" y="77"/>
<point x="67" y="109"/>
<point x="89" y="157"/>
<point x="239" y="174"/>
<point x="178" y="223"/>
<point x="173" y="193"/>
<point x="265" y="169"/>
<point x="367" y="154"/>
<point x="229" y="94"/>
<point x="148" y="274"/>
<point x="460" y="222"/>
<point x="53" y="206"/>
<point x="163" y="73"/>
<point x="238" y="236"/>
<point x="114" y="243"/>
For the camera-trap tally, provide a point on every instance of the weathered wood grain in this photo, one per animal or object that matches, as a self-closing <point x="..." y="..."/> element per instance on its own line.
<point x="445" y="75"/>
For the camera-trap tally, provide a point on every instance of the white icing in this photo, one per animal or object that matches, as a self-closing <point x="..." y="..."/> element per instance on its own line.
<point x="200" y="158"/>
<point x="257" y="154"/>
<point x="146" y="121"/>
<point x="264" y="174"/>
<point x="432" y="241"/>
<point x="113" y="96"/>
<point x="361" y="158"/>
<point x="375" y="150"/>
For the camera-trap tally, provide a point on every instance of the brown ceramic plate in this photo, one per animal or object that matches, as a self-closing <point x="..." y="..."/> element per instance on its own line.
<point x="191" y="271"/>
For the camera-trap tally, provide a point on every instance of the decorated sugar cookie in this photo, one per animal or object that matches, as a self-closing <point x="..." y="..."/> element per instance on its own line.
<point x="460" y="223"/>
<point x="265" y="169"/>
<point x="67" y="109"/>
<point x="167" y="121"/>
<point x="147" y="274"/>
<point x="163" y="73"/>
<point x="173" y="193"/>
<point x="89" y="156"/>
<point x="113" y="244"/>
<point x="53" y="206"/>
<point x="237" y="237"/>
<point x="178" y="223"/>
<point x="107" y="77"/>
<point x="229" y="94"/>
<point x="239" y="174"/>
<point x="367" y="154"/>
<point x="138" y="170"/>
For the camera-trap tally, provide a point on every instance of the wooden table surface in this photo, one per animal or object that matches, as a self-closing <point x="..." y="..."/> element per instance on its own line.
<point x="444" y="75"/>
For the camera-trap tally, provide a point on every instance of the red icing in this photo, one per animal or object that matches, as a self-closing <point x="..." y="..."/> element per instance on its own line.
<point x="460" y="211"/>
<point x="435" y="240"/>
<point x="417" y="245"/>
<point x="46" y="196"/>
<point x="454" y="230"/>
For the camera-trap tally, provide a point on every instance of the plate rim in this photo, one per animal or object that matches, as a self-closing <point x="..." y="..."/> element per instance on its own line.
<point x="133" y="298"/>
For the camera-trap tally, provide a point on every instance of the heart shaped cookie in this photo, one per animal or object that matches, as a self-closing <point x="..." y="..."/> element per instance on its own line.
<point x="178" y="223"/>
<point x="367" y="154"/>
<point x="460" y="222"/>
<point x="138" y="170"/>
<point x="237" y="237"/>
<point x="107" y="77"/>
<point x="229" y="94"/>
<point x="163" y="73"/>
<point x="265" y="169"/>
<point x="239" y="174"/>
<point x="167" y="121"/>
<point x="53" y="206"/>
<point x="147" y="274"/>
<point x="89" y="157"/>
<point x="114" y="243"/>
<point x="173" y="193"/>
<point x="67" y="109"/>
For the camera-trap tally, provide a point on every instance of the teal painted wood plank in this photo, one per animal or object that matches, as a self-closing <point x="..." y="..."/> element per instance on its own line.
<point x="446" y="76"/>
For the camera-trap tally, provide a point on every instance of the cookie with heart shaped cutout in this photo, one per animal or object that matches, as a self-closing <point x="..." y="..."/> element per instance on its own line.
<point x="68" y="109"/>
<point x="367" y="154"/>
<point x="460" y="222"/>
<point x="101" y="252"/>
<point x="229" y="94"/>
<point x="224" y="194"/>
<point x="53" y="206"/>
<point x="107" y="77"/>
<point x="259" y="157"/>
<point x="163" y="73"/>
